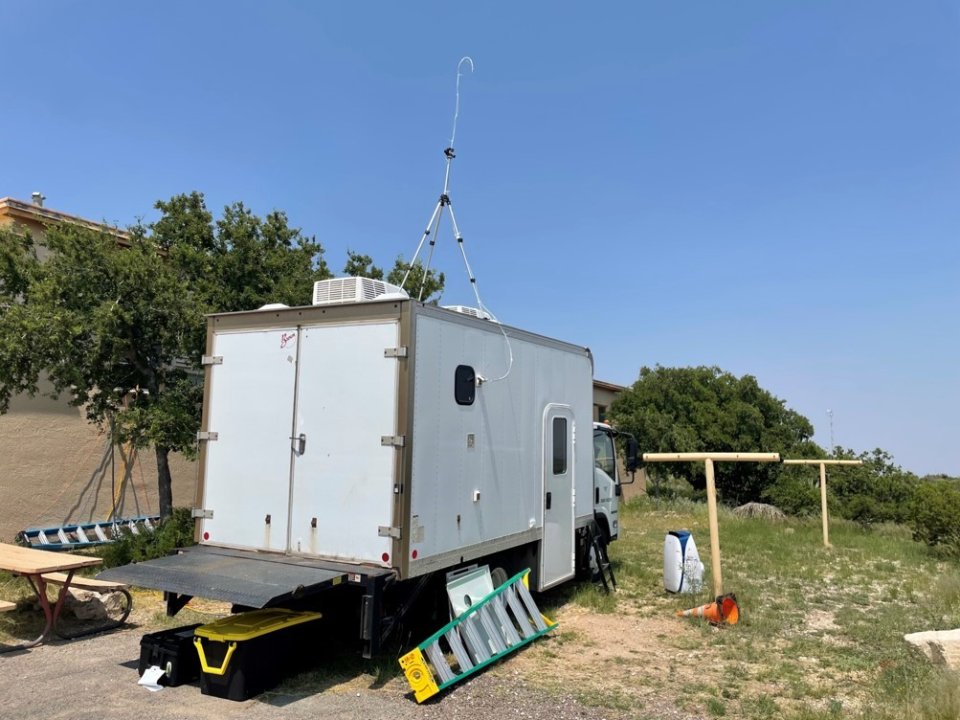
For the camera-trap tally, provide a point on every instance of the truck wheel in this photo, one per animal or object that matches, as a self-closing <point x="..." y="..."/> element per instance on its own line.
<point x="499" y="576"/>
<point x="604" y="535"/>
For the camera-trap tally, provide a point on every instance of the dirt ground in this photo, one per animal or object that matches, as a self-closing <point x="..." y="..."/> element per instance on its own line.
<point x="594" y="667"/>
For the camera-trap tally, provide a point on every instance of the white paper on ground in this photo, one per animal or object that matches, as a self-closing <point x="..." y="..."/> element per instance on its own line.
<point x="151" y="678"/>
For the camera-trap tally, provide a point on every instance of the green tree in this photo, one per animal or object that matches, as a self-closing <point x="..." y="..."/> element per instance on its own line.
<point x="935" y="514"/>
<point x="361" y="266"/>
<point x="421" y="283"/>
<point x="703" y="409"/>
<point x="242" y="261"/>
<point x="119" y="328"/>
<point x="877" y="491"/>
<point x="796" y="490"/>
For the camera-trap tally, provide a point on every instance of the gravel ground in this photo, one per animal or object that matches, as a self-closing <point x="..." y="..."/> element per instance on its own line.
<point x="96" y="677"/>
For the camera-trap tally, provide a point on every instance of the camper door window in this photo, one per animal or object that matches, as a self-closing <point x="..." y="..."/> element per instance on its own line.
<point x="559" y="445"/>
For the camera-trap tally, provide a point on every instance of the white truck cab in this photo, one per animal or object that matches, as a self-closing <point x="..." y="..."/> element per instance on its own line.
<point x="607" y="479"/>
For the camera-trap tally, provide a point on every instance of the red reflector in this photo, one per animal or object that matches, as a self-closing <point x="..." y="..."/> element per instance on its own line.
<point x="414" y="554"/>
<point x="386" y="557"/>
<point x="206" y="536"/>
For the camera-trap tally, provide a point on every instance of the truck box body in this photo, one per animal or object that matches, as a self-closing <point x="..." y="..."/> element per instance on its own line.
<point x="358" y="434"/>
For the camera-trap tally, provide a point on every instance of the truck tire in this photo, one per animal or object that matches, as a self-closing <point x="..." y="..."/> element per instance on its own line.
<point x="499" y="576"/>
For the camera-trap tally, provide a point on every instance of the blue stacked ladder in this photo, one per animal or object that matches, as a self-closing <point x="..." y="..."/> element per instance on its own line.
<point x="68" y="537"/>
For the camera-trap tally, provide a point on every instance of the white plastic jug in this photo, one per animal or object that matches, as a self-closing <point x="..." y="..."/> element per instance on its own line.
<point x="682" y="569"/>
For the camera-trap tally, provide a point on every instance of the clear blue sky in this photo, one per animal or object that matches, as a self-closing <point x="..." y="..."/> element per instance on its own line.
<point x="770" y="188"/>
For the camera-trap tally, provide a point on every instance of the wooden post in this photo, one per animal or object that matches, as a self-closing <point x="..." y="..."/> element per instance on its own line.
<point x="714" y="528"/>
<point x="823" y="488"/>
<point x="823" y="505"/>
<point x="708" y="460"/>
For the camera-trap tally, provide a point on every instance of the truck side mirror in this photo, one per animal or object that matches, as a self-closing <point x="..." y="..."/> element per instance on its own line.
<point x="632" y="460"/>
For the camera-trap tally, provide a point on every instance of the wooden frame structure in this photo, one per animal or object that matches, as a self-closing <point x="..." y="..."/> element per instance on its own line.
<point x="708" y="459"/>
<point x="823" y="487"/>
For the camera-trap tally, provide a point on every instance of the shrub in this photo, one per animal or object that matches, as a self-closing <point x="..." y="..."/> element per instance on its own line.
<point x="935" y="515"/>
<point x="794" y="494"/>
<point x="174" y="532"/>
<point x="877" y="491"/>
<point x="864" y="510"/>
<point x="668" y="487"/>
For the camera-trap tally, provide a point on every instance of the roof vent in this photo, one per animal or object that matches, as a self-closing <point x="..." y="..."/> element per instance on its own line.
<point x="471" y="311"/>
<point x="347" y="290"/>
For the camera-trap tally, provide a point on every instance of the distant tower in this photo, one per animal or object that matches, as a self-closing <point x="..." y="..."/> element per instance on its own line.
<point x="830" y="415"/>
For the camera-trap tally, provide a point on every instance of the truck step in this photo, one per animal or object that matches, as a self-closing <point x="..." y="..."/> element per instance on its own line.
<point x="496" y="625"/>
<point x="69" y="537"/>
<point x="599" y="548"/>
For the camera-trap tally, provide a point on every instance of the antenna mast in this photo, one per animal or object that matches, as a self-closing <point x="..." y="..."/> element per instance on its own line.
<point x="444" y="202"/>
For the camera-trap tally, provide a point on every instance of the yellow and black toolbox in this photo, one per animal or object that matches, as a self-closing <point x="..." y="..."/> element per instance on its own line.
<point x="243" y="655"/>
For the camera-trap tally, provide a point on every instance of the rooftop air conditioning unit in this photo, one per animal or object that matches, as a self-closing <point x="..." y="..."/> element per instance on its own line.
<point x="347" y="290"/>
<point x="471" y="311"/>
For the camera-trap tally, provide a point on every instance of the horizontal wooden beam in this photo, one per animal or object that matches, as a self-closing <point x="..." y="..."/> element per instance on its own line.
<point x="823" y="462"/>
<point x="716" y="457"/>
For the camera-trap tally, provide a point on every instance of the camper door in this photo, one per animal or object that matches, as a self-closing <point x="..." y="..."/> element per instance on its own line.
<point x="557" y="562"/>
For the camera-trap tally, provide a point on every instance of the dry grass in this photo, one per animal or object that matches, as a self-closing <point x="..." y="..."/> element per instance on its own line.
<point x="821" y="634"/>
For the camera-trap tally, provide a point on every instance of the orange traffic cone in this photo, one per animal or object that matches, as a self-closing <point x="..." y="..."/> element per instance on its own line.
<point x="723" y="610"/>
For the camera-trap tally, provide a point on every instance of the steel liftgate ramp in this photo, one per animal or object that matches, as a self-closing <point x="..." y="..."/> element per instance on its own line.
<point x="246" y="578"/>
<point x="497" y="625"/>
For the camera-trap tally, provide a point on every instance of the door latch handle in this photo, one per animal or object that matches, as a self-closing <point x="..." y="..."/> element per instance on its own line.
<point x="547" y="502"/>
<point x="301" y="444"/>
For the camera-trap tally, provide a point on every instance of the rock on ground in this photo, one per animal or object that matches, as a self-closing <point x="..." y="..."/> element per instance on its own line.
<point x="940" y="646"/>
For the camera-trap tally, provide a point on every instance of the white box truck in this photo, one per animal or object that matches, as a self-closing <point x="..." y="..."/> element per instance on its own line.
<point x="372" y="441"/>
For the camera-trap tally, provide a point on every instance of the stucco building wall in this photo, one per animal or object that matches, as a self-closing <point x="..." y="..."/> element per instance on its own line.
<point x="56" y="468"/>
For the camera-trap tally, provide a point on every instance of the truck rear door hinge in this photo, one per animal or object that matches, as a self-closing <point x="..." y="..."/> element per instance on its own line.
<point x="395" y="352"/>
<point x="211" y="360"/>
<point x="201" y="513"/>
<point x="390" y="532"/>
<point x="393" y="440"/>
<point x="207" y="435"/>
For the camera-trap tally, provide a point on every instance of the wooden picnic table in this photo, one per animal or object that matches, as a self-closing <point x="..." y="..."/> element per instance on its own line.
<point x="32" y="564"/>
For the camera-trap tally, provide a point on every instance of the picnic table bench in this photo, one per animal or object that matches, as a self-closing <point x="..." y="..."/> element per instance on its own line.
<point x="43" y="567"/>
<point x="97" y="586"/>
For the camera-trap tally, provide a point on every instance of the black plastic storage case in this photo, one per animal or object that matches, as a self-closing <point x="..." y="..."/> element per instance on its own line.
<point x="174" y="652"/>
<point x="243" y="655"/>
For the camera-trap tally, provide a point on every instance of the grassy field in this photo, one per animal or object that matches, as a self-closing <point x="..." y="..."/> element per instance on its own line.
<point x="820" y="636"/>
<point x="821" y="632"/>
